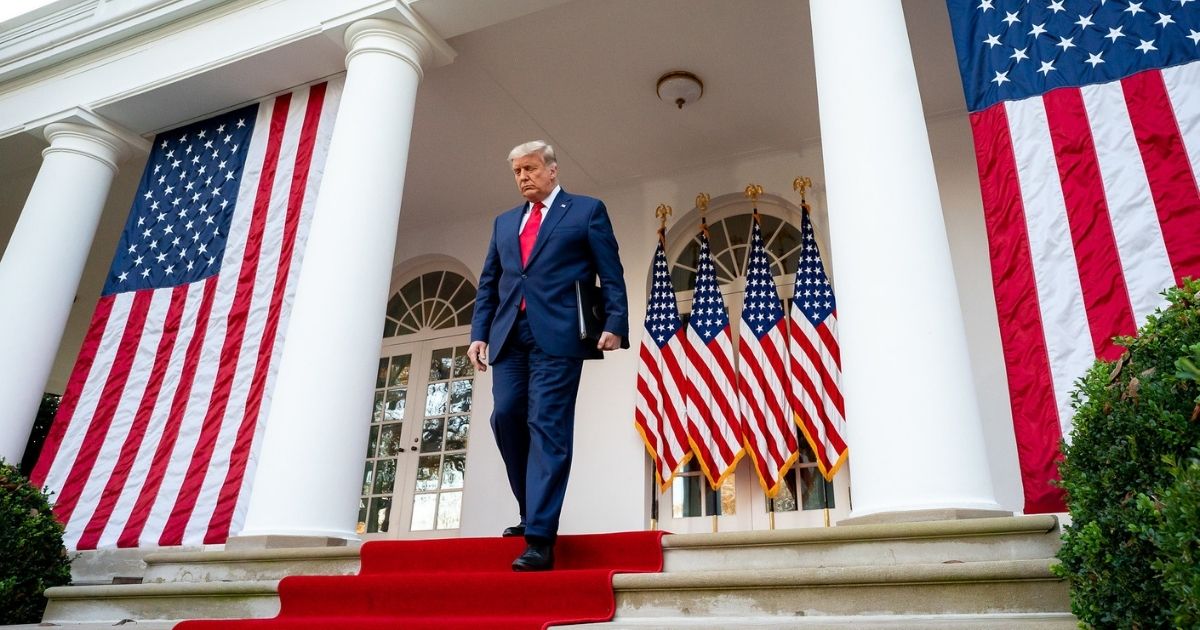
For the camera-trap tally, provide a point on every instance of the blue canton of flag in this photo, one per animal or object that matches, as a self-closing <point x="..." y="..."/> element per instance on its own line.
<point x="1012" y="49"/>
<point x="181" y="214"/>
<point x="708" y="316"/>
<point x="813" y="294"/>
<point x="762" y="310"/>
<point x="662" y="313"/>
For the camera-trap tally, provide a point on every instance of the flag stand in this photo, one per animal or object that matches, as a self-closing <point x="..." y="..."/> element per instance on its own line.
<point x="771" y="512"/>
<point x="825" y="500"/>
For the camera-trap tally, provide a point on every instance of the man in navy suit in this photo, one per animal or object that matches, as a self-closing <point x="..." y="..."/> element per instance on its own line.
<point x="526" y="325"/>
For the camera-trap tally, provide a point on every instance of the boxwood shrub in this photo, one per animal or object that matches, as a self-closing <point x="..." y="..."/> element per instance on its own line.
<point x="32" y="557"/>
<point x="1130" y="501"/>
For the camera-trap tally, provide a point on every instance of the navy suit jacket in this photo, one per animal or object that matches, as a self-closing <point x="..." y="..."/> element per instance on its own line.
<point x="574" y="242"/>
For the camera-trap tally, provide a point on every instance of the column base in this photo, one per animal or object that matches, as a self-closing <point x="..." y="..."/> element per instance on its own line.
<point x="914" y="516"/>
<point x="283" y="541"/>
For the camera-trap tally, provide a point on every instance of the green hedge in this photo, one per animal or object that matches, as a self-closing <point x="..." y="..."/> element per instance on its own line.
<point x="32" y="556"/>
<point x="1131" y="508"/>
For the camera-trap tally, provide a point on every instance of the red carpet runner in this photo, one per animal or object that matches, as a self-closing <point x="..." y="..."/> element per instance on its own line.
<point x="460" y="583"/>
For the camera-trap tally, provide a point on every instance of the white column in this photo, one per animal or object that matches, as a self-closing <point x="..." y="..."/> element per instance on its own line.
<point x="310" y="471"/>
<point x="915" y="433"/>
<point x="40" y="271"/>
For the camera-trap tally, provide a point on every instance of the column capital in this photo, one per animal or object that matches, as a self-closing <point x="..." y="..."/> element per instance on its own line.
<point x="374" y="35"/>
<point x="86" y="140"/>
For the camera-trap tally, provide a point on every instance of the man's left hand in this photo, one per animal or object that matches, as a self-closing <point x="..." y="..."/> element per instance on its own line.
<point x="608" y="341"/>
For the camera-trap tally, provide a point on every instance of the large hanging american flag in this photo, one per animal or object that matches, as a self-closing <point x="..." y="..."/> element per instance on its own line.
<point x="816" y="361"/>
<point x="1086" y="119"/>
<point x="154" y="442"/>
<point x="714" y="429"/>
<point x="770" y="435"/>
<point x="661" y="414"/>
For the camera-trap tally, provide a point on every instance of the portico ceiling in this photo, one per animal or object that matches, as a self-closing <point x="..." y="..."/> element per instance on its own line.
<point x="580" y="74"/>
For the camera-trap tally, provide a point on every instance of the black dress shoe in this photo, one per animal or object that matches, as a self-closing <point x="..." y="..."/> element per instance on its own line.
<point x="514" y="531"/>
<point x="536" y="558"/>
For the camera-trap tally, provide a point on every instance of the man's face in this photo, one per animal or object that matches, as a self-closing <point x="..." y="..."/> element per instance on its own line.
<point x="535" y="179"/>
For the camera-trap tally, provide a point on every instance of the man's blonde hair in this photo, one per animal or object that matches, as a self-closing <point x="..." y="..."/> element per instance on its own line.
<point x="536" y="146"/>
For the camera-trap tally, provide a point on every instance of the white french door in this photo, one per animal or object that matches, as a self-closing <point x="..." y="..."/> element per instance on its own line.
<point x="415" y="466"/>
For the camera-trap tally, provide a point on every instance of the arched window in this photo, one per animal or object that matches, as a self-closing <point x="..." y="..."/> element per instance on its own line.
<point x="433" y="301"/>
<point x="729" y="239"/>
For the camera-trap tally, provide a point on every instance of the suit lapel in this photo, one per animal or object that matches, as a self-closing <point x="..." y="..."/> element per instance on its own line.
<point x="509" y="237"/>
<point x="562" y="205"/>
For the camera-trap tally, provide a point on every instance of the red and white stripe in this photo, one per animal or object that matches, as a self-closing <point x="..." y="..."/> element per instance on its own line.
<point x="1092" y="208"/>
<point x="815" y="364"/>
<point x="770" y="436"/>
<point x="661" y="413"/>
<point x="714" y="428"/>
<point x="154" y="443"/>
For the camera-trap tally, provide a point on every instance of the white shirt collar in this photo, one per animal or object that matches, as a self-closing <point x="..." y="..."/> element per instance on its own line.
<point x="548" y="202"/>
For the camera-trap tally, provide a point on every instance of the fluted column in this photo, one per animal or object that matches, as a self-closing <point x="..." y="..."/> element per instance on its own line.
<point x="310" y="470"/>
<point x="40" y="271"/>
<point x="915" y="433"/>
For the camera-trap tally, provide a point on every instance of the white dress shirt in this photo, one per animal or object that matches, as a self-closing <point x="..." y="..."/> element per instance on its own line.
<point x="548" y="203"/>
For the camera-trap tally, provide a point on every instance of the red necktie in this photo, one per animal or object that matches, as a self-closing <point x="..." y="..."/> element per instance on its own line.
<point x="529" y="232"/>
<point x="529" y="236"/>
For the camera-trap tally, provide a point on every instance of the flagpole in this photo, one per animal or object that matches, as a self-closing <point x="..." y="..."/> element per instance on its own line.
<point x="801" y="185"/>
<point x="661" y="213"/>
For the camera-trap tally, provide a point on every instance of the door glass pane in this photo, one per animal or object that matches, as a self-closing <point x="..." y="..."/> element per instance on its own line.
<point x="462" y="365"/>
<point x="457" y="429"/>
<point x="380" y="514"/>
<point x="373" y="441"/>
<point x="389" y="440"/>
<point x="423" y="509"/>
<point x="439" y="367"/>
<point x="381" y="379"/>
<point x="686" y="496"/>
<point x="398" y="374"/>
<point x="449" y="510"/>
<point x="785" y="500"/>
<point x="385" y="476"/>
<point x="815" y="492"/>
<point x="427" y="473"/>
<point x="394" y="407"/>
<point x="431" y="435"/>
<point x="691" y="495"/>
<point x="435" y="399"/>
<point x="368" y="476"/>
<point x="460" y="396"/>
<point x="452" y="471"/>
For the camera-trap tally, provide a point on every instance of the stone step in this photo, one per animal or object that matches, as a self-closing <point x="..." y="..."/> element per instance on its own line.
<point x="161" y="601"/>
<point x="248" y="565"/>
<point x="996" y="587"/>
<point x="967" y="540"/>
<point x="1017" y="621"/>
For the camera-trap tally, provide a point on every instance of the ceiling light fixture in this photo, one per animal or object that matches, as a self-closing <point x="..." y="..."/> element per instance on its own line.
<point x="680" y="87"/>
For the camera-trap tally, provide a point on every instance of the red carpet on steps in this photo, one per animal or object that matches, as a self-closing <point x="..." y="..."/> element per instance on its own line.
<point x="460" y="583"/>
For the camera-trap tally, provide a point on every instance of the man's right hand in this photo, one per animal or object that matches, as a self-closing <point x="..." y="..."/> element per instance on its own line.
<point x="477" y="353"/>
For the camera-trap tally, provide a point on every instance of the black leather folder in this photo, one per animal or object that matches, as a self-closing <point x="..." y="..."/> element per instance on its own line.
<point x="589" y="308"/>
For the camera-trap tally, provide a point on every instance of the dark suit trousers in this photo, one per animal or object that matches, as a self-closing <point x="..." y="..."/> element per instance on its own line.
<point x="534" y="422"/>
